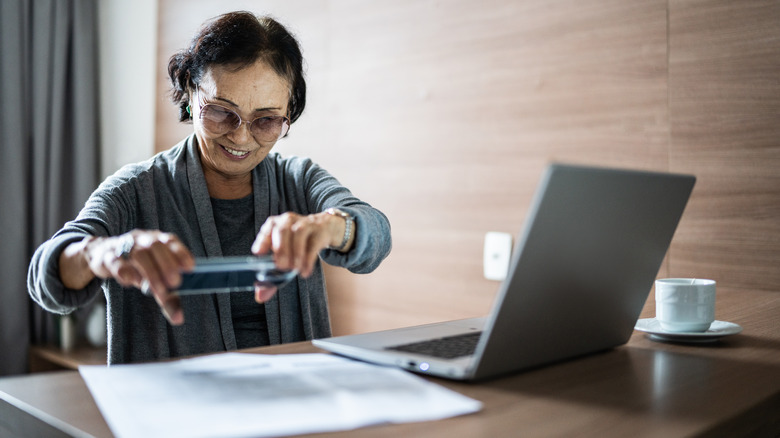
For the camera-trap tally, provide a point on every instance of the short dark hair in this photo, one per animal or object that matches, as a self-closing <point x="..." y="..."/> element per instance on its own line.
<point x="238" y="39"/>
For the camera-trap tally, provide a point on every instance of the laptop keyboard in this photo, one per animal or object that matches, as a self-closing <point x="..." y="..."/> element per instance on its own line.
<point x="450" y="347"/>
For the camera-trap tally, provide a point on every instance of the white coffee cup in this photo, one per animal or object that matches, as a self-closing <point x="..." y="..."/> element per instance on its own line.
<point x="685" y="304"/>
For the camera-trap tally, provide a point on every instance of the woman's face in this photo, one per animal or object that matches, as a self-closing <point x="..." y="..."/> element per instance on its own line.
<point x="251" y="92"/>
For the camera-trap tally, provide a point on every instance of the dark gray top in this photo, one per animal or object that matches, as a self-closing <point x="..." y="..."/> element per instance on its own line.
<point x="235" y="220"/>
<point x="168" y="192"/>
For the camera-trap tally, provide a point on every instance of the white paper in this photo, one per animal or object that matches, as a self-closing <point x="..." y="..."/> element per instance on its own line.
<point x="236" y="394"/>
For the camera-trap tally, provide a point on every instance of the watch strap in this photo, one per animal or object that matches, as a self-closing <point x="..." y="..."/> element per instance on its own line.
<point x="348" y="228"/>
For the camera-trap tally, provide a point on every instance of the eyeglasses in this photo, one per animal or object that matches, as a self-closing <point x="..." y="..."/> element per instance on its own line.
<point x="219" y="120"/>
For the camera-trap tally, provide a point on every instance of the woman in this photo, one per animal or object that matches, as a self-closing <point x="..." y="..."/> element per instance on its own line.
<point x="219" y="192"/>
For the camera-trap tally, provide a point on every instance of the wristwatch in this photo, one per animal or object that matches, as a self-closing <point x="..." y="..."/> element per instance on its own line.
<point x="350" y="226"/>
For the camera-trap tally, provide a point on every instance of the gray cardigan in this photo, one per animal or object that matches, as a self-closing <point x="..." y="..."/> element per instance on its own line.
<point x="168" y="192"/>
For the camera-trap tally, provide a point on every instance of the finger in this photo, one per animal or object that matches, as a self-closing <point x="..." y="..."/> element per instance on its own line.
<point x="166" y="263"/>
<point x="281" y="244"/>
<point x="119" y="268"/>
<point x="171" y="308"/>
<point x="147" y="267"/>
<point x="262" y="243"/>
<point x="183" y="255"/>
<point x="172" y="257"/>
<point x="127" y="275"/>
<point x="264" y="293"/>
<point x="170" y="303"/>
<point x="302" y="233"/>
<point x="317" y="242"/>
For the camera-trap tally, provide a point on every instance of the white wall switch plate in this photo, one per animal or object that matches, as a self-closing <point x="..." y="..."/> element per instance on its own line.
<point x="497" y="255"/>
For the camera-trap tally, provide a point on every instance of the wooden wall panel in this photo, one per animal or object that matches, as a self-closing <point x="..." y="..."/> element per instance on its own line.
<point x="724" y="99"/>
<point x="454" y="108"/>
<point x="444" y="114"/>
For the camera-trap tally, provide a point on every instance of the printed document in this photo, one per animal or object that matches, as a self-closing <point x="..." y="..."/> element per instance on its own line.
<point x="240" y="394"/>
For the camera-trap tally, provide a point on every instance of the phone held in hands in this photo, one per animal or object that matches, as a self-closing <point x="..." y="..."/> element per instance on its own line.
<point x="233" y="274"/>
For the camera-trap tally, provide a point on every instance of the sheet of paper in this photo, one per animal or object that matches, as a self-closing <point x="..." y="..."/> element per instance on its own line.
<point x="236" y="394"/>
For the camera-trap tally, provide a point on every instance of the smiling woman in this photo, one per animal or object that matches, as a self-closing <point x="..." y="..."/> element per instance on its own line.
<point x="231" y="146"/>
<point x="219" y="192"/>
<point x="238" y="64"/>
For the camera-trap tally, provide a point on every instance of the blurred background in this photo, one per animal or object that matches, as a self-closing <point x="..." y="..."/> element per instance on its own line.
<point x="441" y="114"/>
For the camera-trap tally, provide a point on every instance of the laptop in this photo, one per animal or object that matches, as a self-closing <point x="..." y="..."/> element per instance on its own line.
<point x="580" y="274"/>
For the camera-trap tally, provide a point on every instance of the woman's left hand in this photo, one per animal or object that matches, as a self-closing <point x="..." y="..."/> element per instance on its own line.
<point x="296" y="240"/>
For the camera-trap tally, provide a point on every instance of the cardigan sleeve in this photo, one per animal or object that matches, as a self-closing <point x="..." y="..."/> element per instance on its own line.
<point x="43" y="279"/>
<point x="313" y="190"/>
<point x="105" y="213"/>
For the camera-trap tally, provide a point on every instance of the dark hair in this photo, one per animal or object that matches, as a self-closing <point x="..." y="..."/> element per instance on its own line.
<point x="238" y="39"/>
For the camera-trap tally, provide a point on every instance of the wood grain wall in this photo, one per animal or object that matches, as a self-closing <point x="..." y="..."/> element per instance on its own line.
<point x="444" y="114"/>
<point x="724" y="106"/>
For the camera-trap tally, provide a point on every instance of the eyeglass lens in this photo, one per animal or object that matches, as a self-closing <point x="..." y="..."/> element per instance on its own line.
<point x="221" y="120"/>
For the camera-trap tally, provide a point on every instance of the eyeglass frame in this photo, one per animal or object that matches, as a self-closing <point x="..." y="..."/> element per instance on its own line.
<point x="241" y="120"/>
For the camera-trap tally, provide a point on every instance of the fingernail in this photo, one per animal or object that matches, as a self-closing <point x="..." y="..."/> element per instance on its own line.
<point x="166" y="314"/>
<point x="172" y="314"/>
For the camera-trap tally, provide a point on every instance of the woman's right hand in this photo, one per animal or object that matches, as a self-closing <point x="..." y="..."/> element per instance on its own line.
<point x="149" y="260"/>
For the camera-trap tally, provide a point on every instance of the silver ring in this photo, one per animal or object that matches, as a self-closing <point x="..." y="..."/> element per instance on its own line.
<point x="145" y="288"/>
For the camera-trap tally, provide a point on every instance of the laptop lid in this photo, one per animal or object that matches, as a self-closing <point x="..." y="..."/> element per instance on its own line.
<point x="581" y="271"/>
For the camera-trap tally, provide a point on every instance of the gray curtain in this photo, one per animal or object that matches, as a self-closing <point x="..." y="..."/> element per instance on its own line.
<point x="50" y="148"/>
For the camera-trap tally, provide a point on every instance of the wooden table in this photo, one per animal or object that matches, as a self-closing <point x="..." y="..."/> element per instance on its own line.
<point x="645" y="388"/>
<point x="53" y="358"/>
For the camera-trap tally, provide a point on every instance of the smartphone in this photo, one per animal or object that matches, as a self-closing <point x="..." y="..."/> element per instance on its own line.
<point x="233" y="274"/>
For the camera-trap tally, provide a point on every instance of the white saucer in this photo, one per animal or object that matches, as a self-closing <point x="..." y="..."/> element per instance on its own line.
<point x="717" y="330"/>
